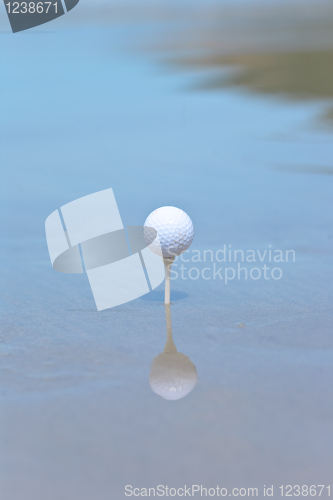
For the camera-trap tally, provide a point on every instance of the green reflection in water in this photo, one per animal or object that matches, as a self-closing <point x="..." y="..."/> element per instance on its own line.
<point x="281" y="50"/>
<point x="301" y="75"/>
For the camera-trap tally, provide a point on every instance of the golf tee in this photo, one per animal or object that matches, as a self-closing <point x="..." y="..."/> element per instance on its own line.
<point x="167" y="264"/>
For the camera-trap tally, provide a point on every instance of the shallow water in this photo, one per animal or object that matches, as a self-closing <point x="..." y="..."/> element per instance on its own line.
<point x="78" y="417"/>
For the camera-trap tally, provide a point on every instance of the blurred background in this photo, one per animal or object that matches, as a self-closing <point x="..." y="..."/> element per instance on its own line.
<point x="224" y="109"/>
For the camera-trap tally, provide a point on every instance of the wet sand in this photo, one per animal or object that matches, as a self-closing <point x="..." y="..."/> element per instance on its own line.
<point x="78" y="417"/>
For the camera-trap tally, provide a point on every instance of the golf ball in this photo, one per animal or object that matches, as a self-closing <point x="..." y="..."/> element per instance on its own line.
<point x="174" y="230"/>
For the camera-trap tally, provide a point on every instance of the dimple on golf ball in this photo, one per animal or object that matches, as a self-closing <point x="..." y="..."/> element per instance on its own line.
<point x="174" y="230"/>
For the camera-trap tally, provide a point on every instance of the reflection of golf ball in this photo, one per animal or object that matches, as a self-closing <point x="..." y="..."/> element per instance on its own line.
<point x="174" y="229"/>
<point x="173" y="375"/>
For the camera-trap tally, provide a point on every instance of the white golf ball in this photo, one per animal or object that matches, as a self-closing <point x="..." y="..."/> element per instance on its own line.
<point x="174" y="229"/>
